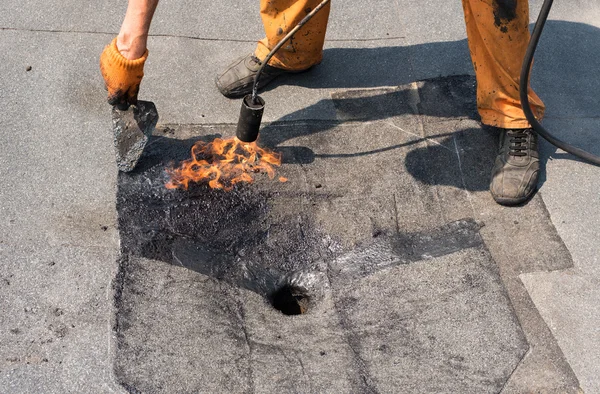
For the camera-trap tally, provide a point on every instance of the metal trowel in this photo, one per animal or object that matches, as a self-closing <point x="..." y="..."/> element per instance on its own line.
<point x="132" y="128"/>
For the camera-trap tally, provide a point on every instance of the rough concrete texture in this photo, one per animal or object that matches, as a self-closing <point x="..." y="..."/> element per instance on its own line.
<point x="568" y="301"/>
<point x="197" y="19"/>
<point x="401" y="161"/>
<point x="59" y="178"/>
<point x="58" y="236"/>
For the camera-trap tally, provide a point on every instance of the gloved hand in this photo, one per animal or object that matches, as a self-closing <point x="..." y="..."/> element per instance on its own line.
<point x="122" y="76"/>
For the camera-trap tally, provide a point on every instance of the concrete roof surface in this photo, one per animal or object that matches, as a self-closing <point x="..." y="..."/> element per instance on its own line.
<point x="384" y="157"/>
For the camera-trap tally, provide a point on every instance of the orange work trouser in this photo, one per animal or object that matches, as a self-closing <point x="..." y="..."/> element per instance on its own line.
<point x="497" y="32"/>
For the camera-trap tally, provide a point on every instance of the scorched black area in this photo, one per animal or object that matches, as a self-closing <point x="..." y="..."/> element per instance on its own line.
<point x="236" y="236"/>
<point x="227" y="235"/>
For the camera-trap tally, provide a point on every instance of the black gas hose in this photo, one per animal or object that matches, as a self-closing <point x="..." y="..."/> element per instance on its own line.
<point x="525" y="70"/>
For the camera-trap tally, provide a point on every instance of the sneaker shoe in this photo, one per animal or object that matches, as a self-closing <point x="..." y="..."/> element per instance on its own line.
<point x="237" y="79"/>
<point x="516" y="170"/>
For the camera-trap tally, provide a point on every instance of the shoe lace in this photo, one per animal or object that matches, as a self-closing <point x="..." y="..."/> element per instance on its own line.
<point x="256" y="60"/>
<point x="518" y="142"/>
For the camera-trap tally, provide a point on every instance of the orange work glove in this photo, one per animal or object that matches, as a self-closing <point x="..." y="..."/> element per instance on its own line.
<point x="122" y="76"/>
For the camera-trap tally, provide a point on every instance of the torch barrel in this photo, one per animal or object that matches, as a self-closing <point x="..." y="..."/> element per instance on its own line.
<point x="250" y="118"/>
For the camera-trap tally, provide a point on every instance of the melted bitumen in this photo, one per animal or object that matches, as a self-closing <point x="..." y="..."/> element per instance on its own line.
<point x="388" y="251"/>
<point x="236" y="237"/>
<point x="231" y="236"/>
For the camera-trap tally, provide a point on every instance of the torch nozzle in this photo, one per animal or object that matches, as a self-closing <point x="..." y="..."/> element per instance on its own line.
<point x="250" y="118"/>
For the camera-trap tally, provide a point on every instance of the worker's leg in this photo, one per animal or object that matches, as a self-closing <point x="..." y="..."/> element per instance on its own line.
<point x="305" y="49"/>
<point x="301" y="52"/>
<point x="498" y="37"/>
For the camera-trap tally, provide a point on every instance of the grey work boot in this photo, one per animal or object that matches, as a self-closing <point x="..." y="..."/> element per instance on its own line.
<point x="237" y="79"/>
<point x="517" y="167"/>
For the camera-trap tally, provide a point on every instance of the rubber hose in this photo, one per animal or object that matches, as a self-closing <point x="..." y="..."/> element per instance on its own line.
<point x="525" y="70"/>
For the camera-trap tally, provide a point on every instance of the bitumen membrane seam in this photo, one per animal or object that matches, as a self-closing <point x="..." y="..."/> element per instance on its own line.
<point x="477" y="150"/>
<point x="208" y="39"/>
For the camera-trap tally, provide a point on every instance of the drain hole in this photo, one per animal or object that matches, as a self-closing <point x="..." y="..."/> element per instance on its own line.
<point x="290" y="301"/>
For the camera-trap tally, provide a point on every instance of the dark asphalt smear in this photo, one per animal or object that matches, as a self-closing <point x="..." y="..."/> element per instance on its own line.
<point x="231" y="236"/>
<point x="235" y="237"/>
<point x="505" y="11"/>
<point x="394" y="314"/>
<point x="388" y="251"/>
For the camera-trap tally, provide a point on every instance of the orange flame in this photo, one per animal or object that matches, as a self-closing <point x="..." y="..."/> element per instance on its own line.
<point x="223" y="163"/>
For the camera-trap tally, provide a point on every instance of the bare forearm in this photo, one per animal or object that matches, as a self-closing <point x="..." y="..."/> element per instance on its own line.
<point x="133" y="36"/>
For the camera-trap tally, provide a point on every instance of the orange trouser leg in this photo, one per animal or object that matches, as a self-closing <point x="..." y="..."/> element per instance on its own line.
<point x="498" y="37"/>
<point x="305" y="48"/>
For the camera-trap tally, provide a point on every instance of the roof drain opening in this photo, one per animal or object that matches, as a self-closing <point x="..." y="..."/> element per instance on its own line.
<point x="290" y="301"/>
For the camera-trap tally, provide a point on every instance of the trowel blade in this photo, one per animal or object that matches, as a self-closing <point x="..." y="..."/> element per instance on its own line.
<point x="131" y="129"/>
